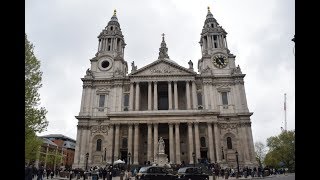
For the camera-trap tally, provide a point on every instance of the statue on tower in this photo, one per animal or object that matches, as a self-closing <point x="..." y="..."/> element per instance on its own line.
<point x="190" y="64"/>
<point x="133" y="67"/>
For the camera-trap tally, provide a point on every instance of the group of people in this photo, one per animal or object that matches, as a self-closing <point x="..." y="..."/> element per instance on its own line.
<point x="31" y="172"/>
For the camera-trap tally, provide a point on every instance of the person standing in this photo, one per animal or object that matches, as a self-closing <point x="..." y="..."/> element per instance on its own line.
<point x="40" y="173"/>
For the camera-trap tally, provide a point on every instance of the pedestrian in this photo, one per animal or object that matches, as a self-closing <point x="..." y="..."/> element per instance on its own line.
<point x="40" y="173"/>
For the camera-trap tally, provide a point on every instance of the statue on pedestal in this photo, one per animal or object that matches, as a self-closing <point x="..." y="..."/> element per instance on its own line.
<point x="161" y="146"/>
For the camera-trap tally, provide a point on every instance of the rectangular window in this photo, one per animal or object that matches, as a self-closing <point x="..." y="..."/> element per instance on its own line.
<point x="101" y="100"/>
<point x="224" y="98"/>
<point x="199" y="96"/>
<point x="126" y="100"/>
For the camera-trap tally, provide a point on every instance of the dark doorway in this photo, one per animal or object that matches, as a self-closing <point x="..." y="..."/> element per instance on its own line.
<point x="166" y="147"/>
<point x="163" y="103"/>
<point x="123" y="156"/>
<point x="203" y="154"/>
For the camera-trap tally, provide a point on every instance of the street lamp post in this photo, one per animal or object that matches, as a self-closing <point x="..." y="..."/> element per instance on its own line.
<point x="194" y="159"/>
<point x="105" y="154"/>
<point x="237" y="164"/>
<point x="129" y="156"/>
<point x="87" y="156"/>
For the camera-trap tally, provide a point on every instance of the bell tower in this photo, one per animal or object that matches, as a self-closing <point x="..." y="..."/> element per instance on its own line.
<point x="109" y="60"/>
<point x="216" y="57"/>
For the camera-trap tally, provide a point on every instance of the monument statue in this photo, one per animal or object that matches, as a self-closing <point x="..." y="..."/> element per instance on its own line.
<point x="161" y="146"/>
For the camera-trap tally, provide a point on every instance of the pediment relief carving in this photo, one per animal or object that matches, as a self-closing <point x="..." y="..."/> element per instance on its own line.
<point x="163" y="69"/>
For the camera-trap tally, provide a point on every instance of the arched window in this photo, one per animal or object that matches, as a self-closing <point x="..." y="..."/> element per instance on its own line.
<point x="124" y="143"/>
<point x="203" y="141"/>
<point x="98" y="145"/>
<point x="229" y="143"/>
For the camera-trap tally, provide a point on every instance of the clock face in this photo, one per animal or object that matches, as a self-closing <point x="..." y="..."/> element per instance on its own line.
<point x="220" y="61"/>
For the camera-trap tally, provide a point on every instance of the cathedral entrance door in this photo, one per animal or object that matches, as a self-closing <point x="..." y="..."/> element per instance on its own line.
<point x="124" y="156"/>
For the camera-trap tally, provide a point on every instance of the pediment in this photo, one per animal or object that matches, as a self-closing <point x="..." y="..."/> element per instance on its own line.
<point x="162" y="67"/>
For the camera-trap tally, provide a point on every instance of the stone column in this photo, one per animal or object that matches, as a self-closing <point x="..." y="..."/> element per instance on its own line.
<point x="136" y="144"/>
<point x="82" y="106"/>
<point x="177" y="143"/>
<point x="217" y="141"/>
<point x="131" y="97"/>
<point x="155" y="96"/>
<point x="149" y="96"/>
<point x="251" y="146"/>
<point x="170" y="95"/>
<point x="78" y="145"/>
<point x="175" y="89"/>
<point x="111" y="146"/>
<point x="171" y="143"/>
<point x="120" y="94"/>
<point x="116" y="142"/>
<point x="149" y="155"/>
<point x="155" y="140"/>
<point x="190" y="139"/>
<point x="211" y="146"/>
<point x="212" y="97"/>
<point x="245" y="142"/>
<point x="197" y="139"/>
<point x="194" y="95"/>
<point x="130" y="139"/>
<point x="205" y="93"/>
<point x="137" y="96"/>
<point x="188" y="95"/>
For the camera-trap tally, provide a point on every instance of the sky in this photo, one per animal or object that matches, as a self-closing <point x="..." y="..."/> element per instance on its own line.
<point x="64" y="35"/>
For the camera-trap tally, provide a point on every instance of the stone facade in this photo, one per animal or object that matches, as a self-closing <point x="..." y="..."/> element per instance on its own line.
<point x="204" y="113"/>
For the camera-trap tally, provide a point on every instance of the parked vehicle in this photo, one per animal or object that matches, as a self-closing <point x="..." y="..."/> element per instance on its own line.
<point x="191" y="173"/>
<point x="154" y="173"/>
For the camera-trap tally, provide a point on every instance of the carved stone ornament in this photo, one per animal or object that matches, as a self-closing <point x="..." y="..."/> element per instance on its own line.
<point x="99" y="129"/>
<point x="164" y="69"/>
<point x="228" y="125"/>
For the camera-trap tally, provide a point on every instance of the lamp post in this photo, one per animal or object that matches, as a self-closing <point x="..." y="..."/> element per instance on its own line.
<point x="129" y="156"/>
<point x="87" y="156"/>
<point x="237" y="164"/>
<point x="105" y="154"/>
<point x="194" y="159"/>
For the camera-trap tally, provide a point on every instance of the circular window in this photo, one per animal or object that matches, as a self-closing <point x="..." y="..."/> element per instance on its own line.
<point x="105" y="64"/>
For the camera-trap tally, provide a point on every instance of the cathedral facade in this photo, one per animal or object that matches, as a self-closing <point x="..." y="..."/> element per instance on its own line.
<point x="199" y="116"/>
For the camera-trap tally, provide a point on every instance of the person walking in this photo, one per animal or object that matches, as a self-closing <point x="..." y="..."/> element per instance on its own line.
<point x="40" y="173"/>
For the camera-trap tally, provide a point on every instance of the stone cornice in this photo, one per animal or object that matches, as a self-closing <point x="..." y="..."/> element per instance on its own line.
<point x="170" y="113"/>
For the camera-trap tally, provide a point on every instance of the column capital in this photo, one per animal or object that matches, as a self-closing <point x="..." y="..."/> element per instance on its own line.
<point x="117" y="124"/>
<point x="137" y="82"/>
<point x="130" y="124"/>
<point x="149" y="124"/>
<point x="196" y="123"/>
<point x="150" y="82"/>
<point x="175" y="81"/>
<point x="176" y="123"/>
<point x="155" y="124"/>
<point x="209" y="122"/>
<point x="155" y="82"/>
<point x="189" y="123"/>
<point x="171" y="123"/>
<point x="136" y="124"/>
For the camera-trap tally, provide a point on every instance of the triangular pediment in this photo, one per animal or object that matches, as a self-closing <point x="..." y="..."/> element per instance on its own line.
<point x="162" y="67"/>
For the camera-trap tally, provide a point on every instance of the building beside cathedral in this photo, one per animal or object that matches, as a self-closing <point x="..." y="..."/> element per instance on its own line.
<point x="200" y="115"/>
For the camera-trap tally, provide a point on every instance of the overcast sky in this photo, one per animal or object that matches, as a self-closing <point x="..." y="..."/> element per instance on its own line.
<point x="64" y="33"/>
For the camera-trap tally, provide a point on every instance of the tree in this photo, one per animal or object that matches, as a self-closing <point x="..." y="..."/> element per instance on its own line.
<point x="281" y="150"/>
<point x="35" y="120"/>
<point x="260" y="152"/>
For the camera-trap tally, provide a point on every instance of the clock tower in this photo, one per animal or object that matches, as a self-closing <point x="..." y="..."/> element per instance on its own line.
<point x="109" y="60"/>
<point x="216" y="57"/>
